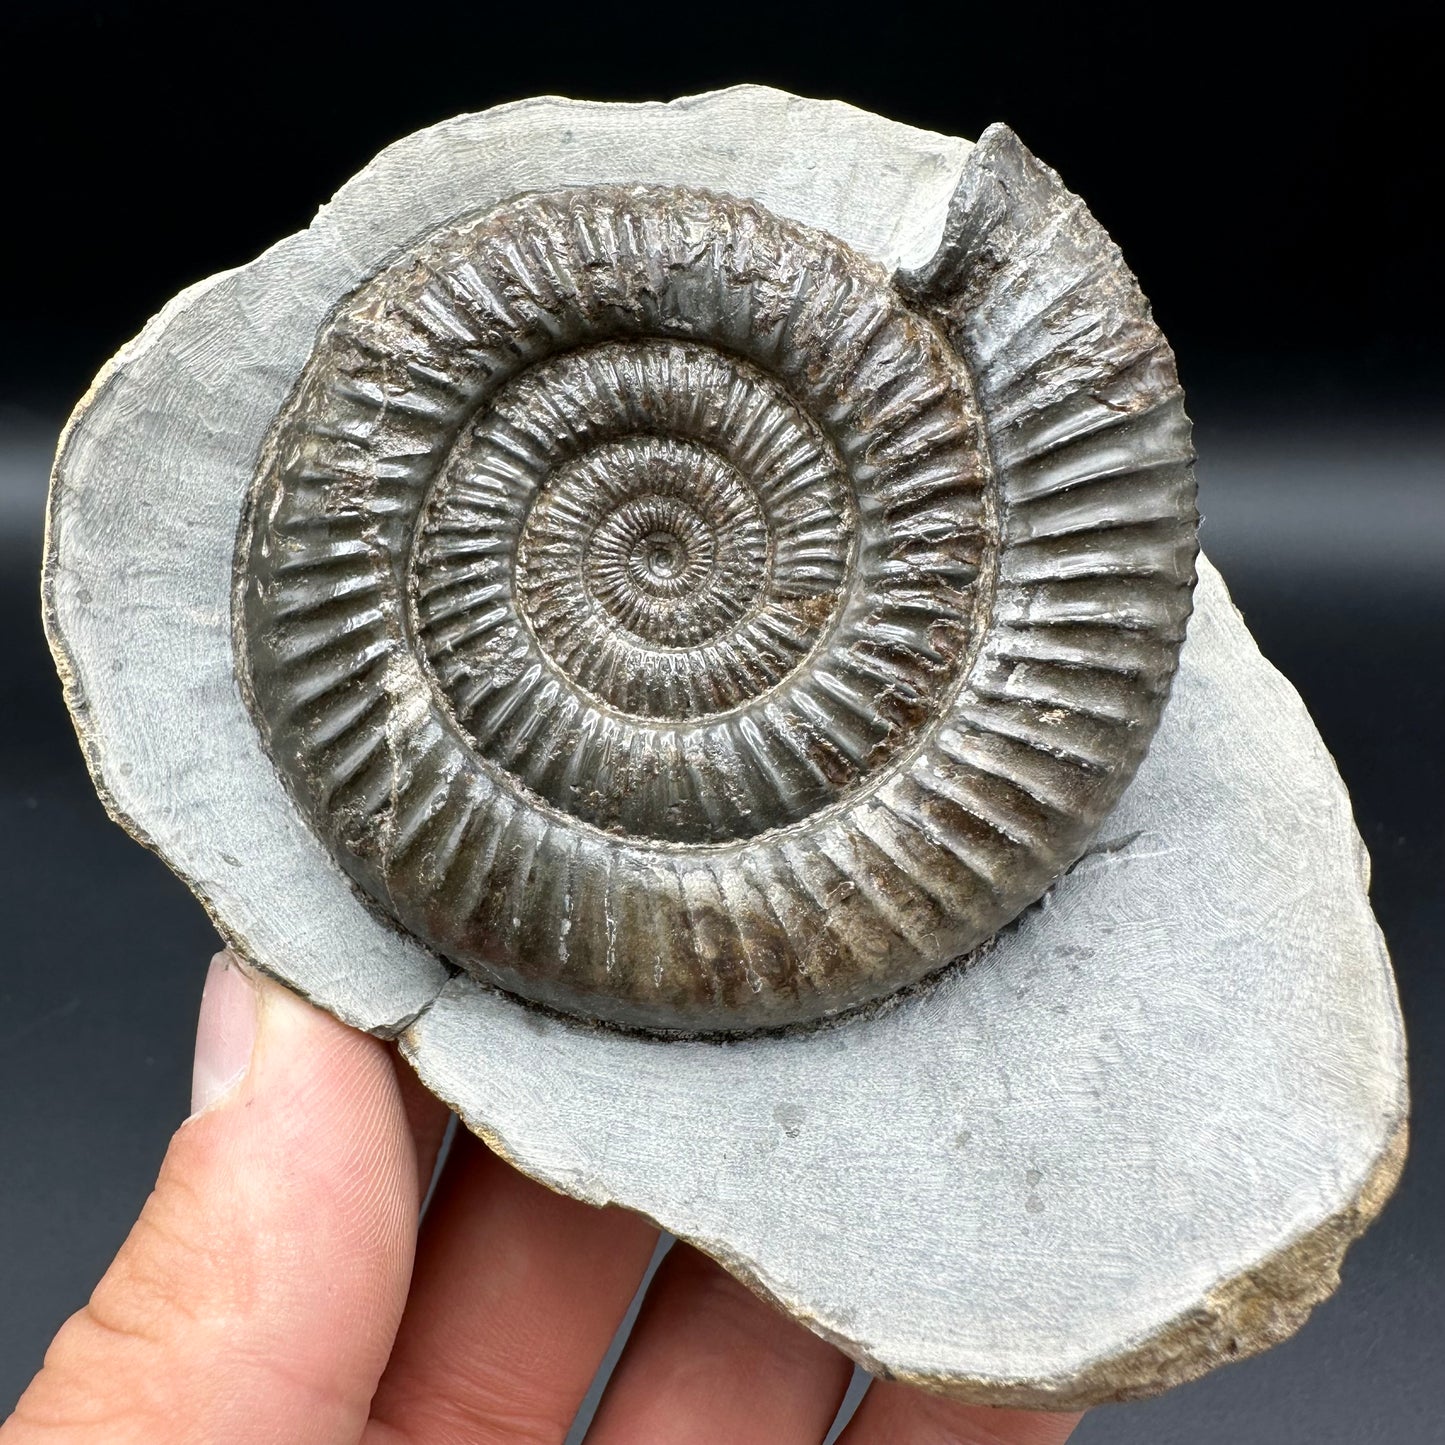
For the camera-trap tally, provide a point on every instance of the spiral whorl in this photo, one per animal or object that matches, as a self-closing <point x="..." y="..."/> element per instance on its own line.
<point x="608" y="600"/>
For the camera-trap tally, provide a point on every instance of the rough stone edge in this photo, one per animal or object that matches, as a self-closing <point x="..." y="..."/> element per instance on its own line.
<point x="72" y="688"/>
<point x="1258" y="1308"/>
<point x="1245" y="1315"/>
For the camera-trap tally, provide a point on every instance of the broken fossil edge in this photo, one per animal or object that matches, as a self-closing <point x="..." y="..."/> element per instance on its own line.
<point x="1117" y="1166"/>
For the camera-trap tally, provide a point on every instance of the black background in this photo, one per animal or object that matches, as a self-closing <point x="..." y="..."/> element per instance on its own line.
<point x="1269" y="174"/>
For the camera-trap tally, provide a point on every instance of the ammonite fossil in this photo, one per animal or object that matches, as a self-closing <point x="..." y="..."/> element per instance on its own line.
<point x="702" y="568"/>
<point x="671" y="617"/>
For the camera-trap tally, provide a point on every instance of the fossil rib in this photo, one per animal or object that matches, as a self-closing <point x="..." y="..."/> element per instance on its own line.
<point x="667" y="617"/>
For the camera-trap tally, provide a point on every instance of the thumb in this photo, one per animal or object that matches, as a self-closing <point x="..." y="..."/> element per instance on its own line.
<point x="258" y="1294"/>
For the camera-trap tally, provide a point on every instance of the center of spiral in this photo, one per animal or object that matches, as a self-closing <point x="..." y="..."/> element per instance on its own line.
<point x="657" y="539"/>
<point x="663" y="556"/>
<point x="652" y="563"/>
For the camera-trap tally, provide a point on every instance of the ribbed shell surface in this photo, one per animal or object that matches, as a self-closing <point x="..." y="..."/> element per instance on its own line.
<point x="672" y="618"/>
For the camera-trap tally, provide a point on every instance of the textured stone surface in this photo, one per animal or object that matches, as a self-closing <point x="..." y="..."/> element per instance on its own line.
<point x="1131" y="1142"/>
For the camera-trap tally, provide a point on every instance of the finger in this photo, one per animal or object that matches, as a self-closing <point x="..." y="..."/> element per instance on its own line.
<point x="710" y="1362"/>
<point x="894" y="1414"/>
<point x="517" y="1294"/>
<point x="427" y="1117"/>
<point x="257" y="1296"/>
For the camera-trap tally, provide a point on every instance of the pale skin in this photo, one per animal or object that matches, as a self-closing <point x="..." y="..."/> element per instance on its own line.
<point x="278" y="1287"/>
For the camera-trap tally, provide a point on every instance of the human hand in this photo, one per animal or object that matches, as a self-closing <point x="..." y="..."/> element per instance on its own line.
<point x="277" y="1287"/>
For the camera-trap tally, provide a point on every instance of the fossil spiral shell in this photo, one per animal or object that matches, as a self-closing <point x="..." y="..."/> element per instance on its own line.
<point x="674" y="619"/>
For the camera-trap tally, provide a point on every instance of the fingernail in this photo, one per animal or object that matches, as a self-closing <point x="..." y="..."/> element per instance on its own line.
<point x="225" y="1034"/>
